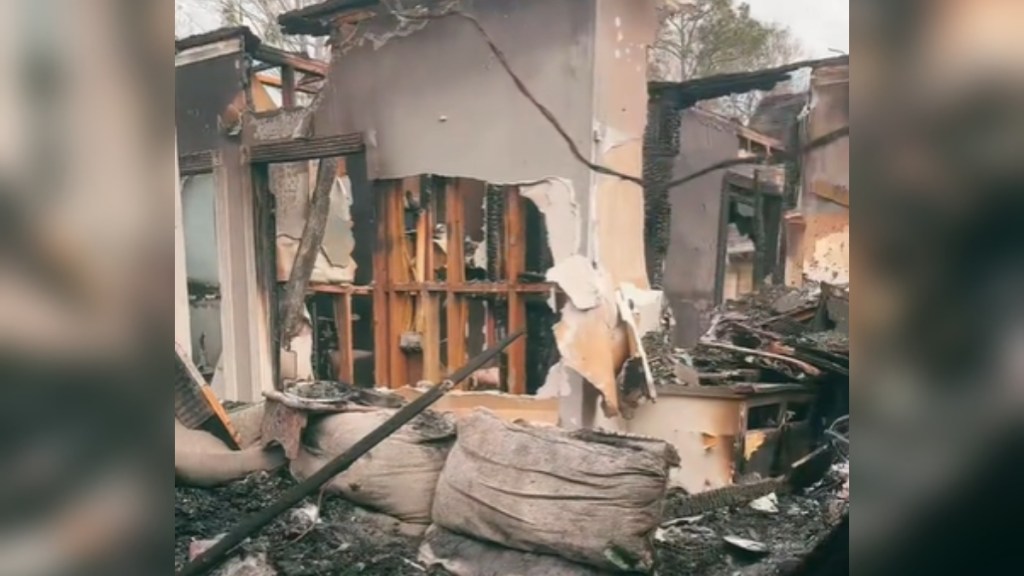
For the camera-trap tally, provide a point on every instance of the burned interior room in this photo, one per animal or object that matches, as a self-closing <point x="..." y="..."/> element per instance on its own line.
<point x="482" y="235"/>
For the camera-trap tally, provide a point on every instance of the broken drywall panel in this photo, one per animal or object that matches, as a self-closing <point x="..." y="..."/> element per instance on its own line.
<point x="556" y="200"/>
<point x="579" y="281"/>
<point x="647" y="307"/>
<point x="338" y="239"/>
<point x="641" y="312"/>
<point x="593" y="343"/>
<point x="291" y="186"/>
<point x="636" y="346"/>
<point x="558" y="382"/>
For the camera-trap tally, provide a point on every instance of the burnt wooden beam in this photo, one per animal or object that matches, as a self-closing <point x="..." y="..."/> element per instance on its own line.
<point x="320" y="288"/>
<point x="343" y="324"/>
<point x="299" y="62"/>
<point x="457" y="309"/>
<point x="294" y="296"/>
<point x="381" y="347"/>
<point x="302" y="149"/>
<point x="515" y="264"/>
<point x="308" y="84"/>
<point x="194" y="163"/>
<point x="477" y="288"/>
<point x="400" y="305"/>
<point x="288" y="86"/>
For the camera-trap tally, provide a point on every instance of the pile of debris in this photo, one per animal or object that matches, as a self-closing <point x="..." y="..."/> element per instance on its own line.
<point x="776" y="335"/>
<point x="765" y="536"/>
<point x="324" y="535"/>
<point x="478" y="495"/>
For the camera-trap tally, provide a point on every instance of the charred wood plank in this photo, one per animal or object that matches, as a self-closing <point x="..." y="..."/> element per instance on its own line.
<point x="302" y="149"/>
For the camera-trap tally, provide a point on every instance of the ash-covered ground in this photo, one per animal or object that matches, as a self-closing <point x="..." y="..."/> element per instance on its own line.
<point x="699" y="547"/>
<point x="346" y="540"/>
<point x="349" y="541"/>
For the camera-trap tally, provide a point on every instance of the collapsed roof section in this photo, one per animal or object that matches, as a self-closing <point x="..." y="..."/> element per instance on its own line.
<point x="315" y="20"/>
<point x="689" y="92"/>
<point x="265" y="55"/>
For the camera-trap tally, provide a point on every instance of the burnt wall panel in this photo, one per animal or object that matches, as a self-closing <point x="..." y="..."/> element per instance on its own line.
<point x="203" y="92"/>
<point x="826" y="252"/>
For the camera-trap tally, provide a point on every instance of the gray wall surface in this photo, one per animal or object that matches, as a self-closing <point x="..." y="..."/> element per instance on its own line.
<point x="696" y="212"/>
<point x="436" y="101"/>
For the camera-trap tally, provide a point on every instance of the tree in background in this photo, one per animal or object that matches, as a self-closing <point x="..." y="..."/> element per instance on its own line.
<point x="718" y="36"/>
<point x="196" y="16"/>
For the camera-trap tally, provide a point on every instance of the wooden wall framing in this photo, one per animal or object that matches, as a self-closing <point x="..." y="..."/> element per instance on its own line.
<point x="421" y="299"/>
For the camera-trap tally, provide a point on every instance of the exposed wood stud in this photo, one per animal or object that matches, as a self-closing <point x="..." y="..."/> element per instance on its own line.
<point x="400" y="269"/>
<point x="341" y="289"/>
<point x="491" y="324"/>
<point x="515" y="264"/>
<point x="288" y="86"/>
<point x="432" y="369"/>
<point x="381" y="345"/>
<point x="343" y="323"/>
<point x="302" y="149"/>
<point x="429" y="303"/>
<point x="456" y="274"/>
<point x="500" y="289"/>
<point x="298" y="62"/>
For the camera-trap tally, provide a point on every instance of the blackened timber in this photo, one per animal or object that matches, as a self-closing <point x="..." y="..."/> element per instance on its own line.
<point x="196" y="163"/>
<point x="299" y="62"/>
<point x="302" y="149"/>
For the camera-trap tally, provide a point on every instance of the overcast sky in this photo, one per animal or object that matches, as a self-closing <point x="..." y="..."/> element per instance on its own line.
<point x="819" y="24"/>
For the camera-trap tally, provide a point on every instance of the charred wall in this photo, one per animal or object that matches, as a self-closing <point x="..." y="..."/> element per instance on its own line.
<point x="661" y="146"/>
<point x="696" y="212"/>
<point x="824" y="226"/>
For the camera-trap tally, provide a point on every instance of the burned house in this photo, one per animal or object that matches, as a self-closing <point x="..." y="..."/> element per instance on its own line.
<point x="445" y="183"/>
<point x="458" y="214"/>
<point x="461" y="210"/>
<point x="732" y="230"/>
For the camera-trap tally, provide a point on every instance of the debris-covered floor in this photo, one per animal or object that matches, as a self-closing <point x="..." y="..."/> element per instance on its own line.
<point x="778" y="335"/>
<point x="348" y="540"/>
<point x="345" y="541"/>
<point x="698" y="546"/>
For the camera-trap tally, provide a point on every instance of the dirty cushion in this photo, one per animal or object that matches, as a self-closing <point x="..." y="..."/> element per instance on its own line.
<point x="587" y="496"/>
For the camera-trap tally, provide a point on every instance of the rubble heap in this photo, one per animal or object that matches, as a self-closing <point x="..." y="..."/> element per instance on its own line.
<point x="340" y="539"/>
<point x="777" y="335"/>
